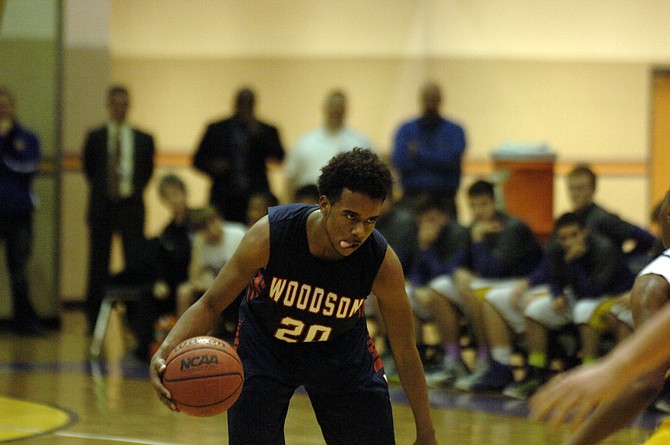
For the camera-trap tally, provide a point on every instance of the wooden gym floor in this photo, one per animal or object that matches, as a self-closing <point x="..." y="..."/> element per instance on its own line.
<point x="50" y="393"/>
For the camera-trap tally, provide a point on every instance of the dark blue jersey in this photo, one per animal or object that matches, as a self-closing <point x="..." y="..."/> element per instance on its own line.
<point x="300" y="298"/>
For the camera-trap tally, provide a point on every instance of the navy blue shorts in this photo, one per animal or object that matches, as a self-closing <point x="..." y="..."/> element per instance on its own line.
<point x="350" y="398"/>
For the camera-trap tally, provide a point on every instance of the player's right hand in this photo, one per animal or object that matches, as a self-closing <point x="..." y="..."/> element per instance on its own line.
<point x="156" y="370"/>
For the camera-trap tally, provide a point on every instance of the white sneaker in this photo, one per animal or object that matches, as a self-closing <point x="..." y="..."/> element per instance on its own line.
<point x="450" y="371"/>
<point x="663" y="405"/>
<point x="465" y="383"/>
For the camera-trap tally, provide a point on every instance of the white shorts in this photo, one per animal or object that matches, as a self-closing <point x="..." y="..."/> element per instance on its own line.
<point x="371" y="307"/>
<point x="500" y="297"/>
<point x="542" y="311"/>
<point x="445" y="286"/>
<point x="624" y="314"/>
<point x="580" y="311"/>
<point x="660" y="266"/>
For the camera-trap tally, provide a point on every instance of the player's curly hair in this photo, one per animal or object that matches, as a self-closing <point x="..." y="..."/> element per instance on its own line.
<point x="359" y="170"/>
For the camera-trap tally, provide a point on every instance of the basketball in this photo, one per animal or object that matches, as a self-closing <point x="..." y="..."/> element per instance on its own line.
<point x="204" y="375"/>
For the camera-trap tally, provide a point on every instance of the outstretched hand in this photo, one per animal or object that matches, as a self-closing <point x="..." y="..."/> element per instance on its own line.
<point x="570" y="397"/>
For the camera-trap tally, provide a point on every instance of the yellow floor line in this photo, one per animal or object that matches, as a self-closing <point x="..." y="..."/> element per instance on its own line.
<point x="22" y="418"/>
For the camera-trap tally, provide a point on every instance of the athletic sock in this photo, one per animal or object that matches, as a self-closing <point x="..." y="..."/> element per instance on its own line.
<point x="537" y="360"/>
<point x="589" y="360"/>
<point x="484" y="354"/>
<point x="453" y="350"/>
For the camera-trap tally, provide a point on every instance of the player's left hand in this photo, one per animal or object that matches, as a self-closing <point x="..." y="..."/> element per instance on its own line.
<point x="570" y="397"/>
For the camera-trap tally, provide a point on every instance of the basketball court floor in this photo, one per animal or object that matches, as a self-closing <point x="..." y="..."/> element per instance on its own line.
<point x="51" y="393"/>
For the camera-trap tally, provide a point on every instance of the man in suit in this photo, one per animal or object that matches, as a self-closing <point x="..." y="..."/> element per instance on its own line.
<point x="118" y="163"/>
<point x="233" y="153"/>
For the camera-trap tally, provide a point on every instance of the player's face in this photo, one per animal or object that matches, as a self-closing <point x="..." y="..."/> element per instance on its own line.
<point x="117" y="106"/>
<point x="335" y="111"/>
<point x="571" y="235"/>
<point x="483" y="207"/>
<point x="433" y="218"/>
<point x="350" y="221"/>
<point x="174" y="197"/>
<point x="213" y="232"/>
<point x="580" y="190"/>
<point x="431" y="98"/>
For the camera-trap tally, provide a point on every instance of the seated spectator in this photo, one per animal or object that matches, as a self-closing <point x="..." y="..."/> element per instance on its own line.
<point x="258" y="205"/>
<point x="587" y="272"/>
<point x="440" y="242"/>
<point x="635" y="242"/>
<point x="174" y="242"/>
<point x="214" y="242"/>
<point x="505" y="326"/>
<point x="500" y="249"/>
<point x="160" y="264"/>
<point x="649" y="298"/>
<point x="306" y="194"/>
<point x="399" y="227"/>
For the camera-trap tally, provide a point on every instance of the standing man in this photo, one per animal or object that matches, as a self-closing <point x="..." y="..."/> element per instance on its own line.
<point x="19" y="161"/>
<point x="309" y="269"/>
<point x="315" y="148"/>
<point x="428" y="152"/>
<point x="233" y="153"/>
<point x="118" y="163"/>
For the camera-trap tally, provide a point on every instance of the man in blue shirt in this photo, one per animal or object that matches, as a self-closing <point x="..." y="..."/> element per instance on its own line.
<point x="19" y="161"/>
<point x="427" y="152"/>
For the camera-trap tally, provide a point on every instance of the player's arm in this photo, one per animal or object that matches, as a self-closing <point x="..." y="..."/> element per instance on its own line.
<point x="649" y="294"/>
<point x="252" y="254"/>
<point x="577" y="393"/>
<point x="389" y="287"/>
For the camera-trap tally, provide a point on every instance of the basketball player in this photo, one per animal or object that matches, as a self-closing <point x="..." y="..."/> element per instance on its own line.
<point x="600" y="398"/>
<point x="309" y="269"/>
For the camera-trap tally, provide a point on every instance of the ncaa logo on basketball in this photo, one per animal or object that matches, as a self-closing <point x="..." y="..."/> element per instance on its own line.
<point x="196" y="361"/>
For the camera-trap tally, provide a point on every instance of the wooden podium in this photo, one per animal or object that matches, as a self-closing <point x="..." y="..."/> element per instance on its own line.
<point x="526" y="183"/>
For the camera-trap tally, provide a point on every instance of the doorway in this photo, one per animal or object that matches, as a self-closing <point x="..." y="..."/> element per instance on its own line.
<point x="659" y="159"/>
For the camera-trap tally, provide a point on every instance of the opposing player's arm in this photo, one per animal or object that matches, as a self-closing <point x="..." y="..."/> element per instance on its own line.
<point x="396" y="312"/>
<point x="575" y="394"/>
<point x="252" y="254"/>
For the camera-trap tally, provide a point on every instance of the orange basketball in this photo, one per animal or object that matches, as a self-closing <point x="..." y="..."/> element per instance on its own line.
<point x="204" y="375"/>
